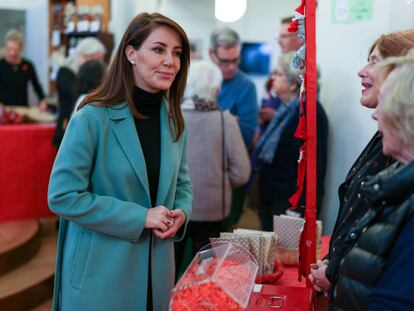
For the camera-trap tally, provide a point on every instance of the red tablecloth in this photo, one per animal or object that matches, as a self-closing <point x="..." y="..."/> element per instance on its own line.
<point x="289" y="294"/>
<point x="26" y="160"/>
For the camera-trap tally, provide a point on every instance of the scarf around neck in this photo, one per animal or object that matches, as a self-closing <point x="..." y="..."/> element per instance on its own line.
<point x="200" y="104"/>
<point x="269" y="141"/>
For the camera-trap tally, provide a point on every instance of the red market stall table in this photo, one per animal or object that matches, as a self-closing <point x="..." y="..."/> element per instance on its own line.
<point x="26" y="160"/>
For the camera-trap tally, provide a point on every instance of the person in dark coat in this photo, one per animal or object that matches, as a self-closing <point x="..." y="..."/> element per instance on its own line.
<point x="376" y="272"/>
<point x="278" y="150"/>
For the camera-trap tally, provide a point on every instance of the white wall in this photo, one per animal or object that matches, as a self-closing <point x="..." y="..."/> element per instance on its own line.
<point x="37" y="41"/>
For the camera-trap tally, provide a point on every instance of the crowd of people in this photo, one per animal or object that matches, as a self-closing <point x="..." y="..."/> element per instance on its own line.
<point x="156" y="153"/>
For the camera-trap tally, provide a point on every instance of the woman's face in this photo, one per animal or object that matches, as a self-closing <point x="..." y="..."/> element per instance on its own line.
<point x="157" y="61"/>
<point x="392" y="142"/>
<point x="281" y="84"/>
<point x="13" y="51"/>
<point x="369" y="80"/>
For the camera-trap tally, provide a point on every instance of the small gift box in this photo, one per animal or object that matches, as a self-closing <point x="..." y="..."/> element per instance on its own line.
<point x="288" y="230"/>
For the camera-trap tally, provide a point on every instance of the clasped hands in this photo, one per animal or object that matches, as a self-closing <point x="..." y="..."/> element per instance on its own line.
<point x="164" y="222"/>
<point x="318" y="278"/>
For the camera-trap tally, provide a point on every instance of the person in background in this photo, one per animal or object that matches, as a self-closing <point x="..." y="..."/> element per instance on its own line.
<point x="90" y="75"/>
<point x="237" y="94"/>
<point x="16" y="72"/>
<point x="88" y="49"/>
<point x="371" y="161"/>
<point x="278" y="149"/>
<point x="120" y="180"/>
<point x="268" y="106"/>
<point x="217" y="157"/>
<point x="288" y="42"/>
<point x="376" y="272"/>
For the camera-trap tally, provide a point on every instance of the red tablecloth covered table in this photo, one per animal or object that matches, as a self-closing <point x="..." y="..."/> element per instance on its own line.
<point x="289" y="293"/>
<point x="26" y="160"/>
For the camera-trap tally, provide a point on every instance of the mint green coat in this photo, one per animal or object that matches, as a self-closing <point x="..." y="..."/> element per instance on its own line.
<point x="99" y="188"/>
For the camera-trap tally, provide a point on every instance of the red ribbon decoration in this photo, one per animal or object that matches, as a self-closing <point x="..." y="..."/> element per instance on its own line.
<point x="307" y="132"/>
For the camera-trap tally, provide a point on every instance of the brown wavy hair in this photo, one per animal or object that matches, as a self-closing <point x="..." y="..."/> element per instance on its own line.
<point x="395" y="43"/>
<point x="118" y="84"/>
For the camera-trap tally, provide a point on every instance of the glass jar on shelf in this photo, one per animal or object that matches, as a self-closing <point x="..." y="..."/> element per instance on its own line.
<point x="70" y="18"/>
<point x="83" y="18"/>
<point x="96" y="21"/>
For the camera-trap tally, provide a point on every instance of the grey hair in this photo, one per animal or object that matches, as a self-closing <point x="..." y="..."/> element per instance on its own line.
<point x="397" y="105"/>
<point x="225" y="37"/>
<point x="89" y="46"/>
<point x="204" y="78"/>
<point x="15" y="36"/>
<point x="293" y="75"/>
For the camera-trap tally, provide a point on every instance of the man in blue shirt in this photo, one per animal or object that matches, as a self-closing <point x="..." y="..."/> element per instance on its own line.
<point x="238" y="92"/>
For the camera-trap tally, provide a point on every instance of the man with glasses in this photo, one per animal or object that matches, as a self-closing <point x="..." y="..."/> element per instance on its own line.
<point x="238" y="92"/>
<point x="238" y="95"/>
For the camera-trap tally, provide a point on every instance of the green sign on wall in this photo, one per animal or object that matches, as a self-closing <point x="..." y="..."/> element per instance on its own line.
<point x="352" y="11"/>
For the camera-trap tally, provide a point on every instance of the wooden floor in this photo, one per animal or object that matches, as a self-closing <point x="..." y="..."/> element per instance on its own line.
<point x="249" y="219"/>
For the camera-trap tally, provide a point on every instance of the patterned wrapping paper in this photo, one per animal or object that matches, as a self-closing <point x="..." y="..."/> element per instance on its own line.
<point x="261" y="244"/>
<point x="269" y="249"/>
<point x="242" y="241"/>
<point x="288" y="230"/>
<point x="256" y="244"/>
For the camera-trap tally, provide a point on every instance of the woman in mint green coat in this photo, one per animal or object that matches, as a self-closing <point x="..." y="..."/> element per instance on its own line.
<point x="120" y="180"/>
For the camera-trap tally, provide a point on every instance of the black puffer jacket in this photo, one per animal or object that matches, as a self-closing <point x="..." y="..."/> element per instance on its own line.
<point x="371" y="241"/>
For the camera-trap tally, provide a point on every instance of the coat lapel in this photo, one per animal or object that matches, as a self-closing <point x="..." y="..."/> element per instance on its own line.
<point x="169" y="157"/>
<point x="127" y="136"/>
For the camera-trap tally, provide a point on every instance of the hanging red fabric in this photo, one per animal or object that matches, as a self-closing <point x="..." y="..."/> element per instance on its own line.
<point x="308" y="240"/>
<point x="307" y="132"/>
<point x="300" y="133"/>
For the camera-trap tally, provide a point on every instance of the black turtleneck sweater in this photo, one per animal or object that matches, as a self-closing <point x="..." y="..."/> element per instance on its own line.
<point x="149" y="133"/>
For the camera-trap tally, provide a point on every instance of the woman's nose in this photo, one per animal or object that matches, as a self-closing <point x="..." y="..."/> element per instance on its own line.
<point x="168" y="60"/>
<point x="362" y="72"/>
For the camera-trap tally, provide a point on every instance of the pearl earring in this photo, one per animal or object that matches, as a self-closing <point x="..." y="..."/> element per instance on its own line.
<point x="132" y="62"/>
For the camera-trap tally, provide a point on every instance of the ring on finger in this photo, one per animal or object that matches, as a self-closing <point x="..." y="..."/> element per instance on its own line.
<point x="170" y="221"/>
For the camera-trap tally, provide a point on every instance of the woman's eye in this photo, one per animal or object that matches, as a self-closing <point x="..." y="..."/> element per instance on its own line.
<point x="177" y="53"/>
<point x="157" y="50"/>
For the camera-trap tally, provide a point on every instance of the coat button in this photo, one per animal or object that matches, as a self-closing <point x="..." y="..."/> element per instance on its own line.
<point x="376" y="187"/>
<point x="353" y="235"/>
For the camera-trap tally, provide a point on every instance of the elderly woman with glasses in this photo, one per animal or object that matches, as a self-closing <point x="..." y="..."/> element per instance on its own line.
<point x="278" y="149"/>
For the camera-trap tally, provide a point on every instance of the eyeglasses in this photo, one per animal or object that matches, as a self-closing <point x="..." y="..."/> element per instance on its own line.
<point x="226" y="62"/>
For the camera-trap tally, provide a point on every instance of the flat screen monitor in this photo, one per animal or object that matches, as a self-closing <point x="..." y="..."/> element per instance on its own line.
<point x="255" y="58"/>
